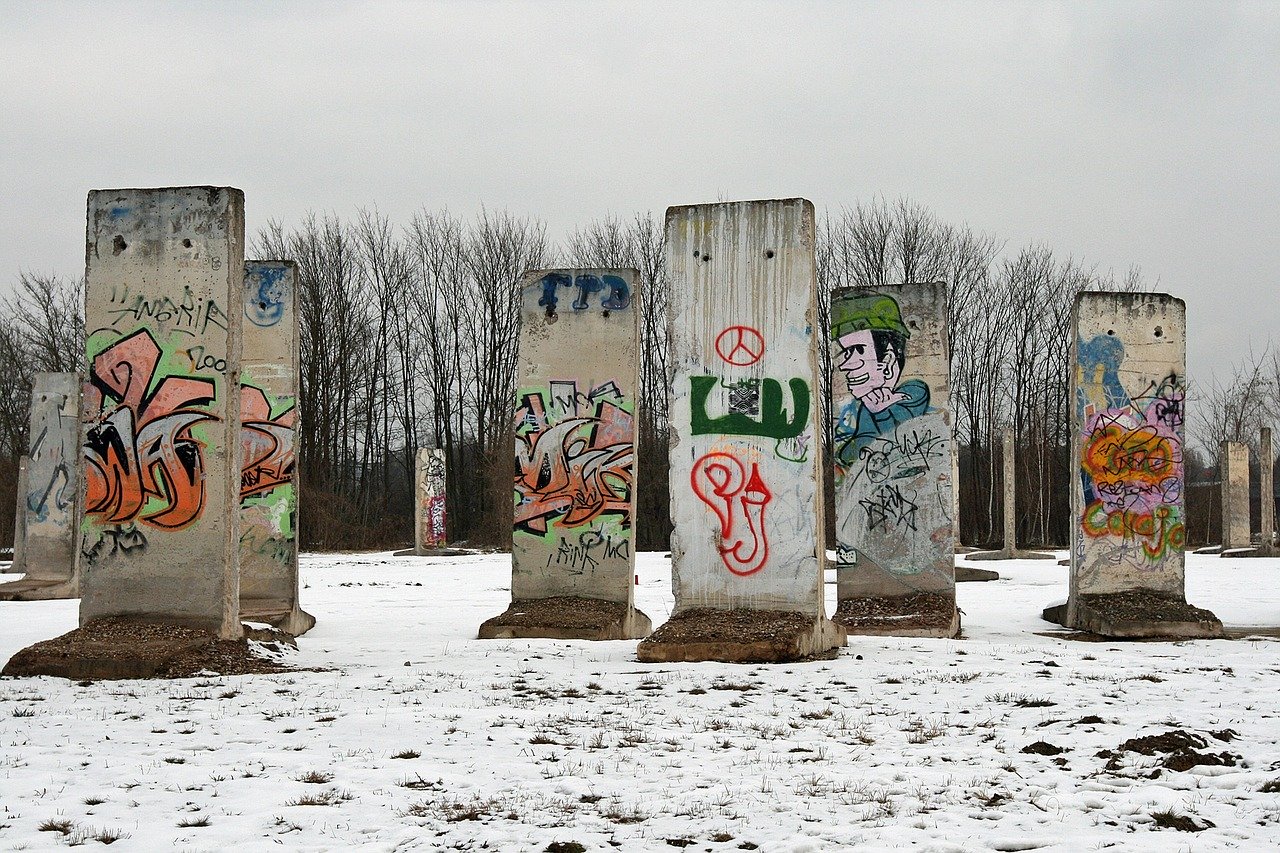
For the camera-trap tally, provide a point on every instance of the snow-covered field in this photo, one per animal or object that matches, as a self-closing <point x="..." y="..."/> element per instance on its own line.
<point x="412" y="735"/>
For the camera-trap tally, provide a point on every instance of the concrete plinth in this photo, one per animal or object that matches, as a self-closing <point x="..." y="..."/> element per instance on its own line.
<point x="894" y="499"/>
<point x="573" y="534"/>
<point x="1128" y="387"/>
<point x="430" y="529"/>
<point x="268" y="469"/>
<point x="18" y="564"/>
<point x="48" y="498"/>
<point x="160" y="412"/>
<point x="746" y="450"/>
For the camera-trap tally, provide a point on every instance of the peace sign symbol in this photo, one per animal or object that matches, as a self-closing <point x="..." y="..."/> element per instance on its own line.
<point x="740" y="345"/>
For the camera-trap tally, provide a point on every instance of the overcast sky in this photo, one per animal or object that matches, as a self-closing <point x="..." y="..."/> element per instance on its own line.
<point x="1123" y="134"/>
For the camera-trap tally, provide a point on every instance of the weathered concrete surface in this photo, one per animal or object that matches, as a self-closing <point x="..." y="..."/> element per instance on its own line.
<point x="573" y="534"/>
<point x="268" y="467"/>
<point x="746" y="449"/>
<point x="47" y="501"/>
<point x="1010" y="486"/>
<point x="1128" y="386"/>
<point x="18" y="564"/>
<point x="430" y="527"/>
<point x="891" y="427"/>
<point x="1234" y="473"/>
<point x="160" y="412"/>
<point x="1266" y="487"/>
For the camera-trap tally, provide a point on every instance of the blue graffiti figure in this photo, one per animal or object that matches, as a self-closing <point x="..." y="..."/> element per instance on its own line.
<point x="268" y="306"/>
<point x="1101" y="353"/>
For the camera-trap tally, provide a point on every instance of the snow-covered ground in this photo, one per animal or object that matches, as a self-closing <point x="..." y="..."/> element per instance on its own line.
<point x="412" y="735"/>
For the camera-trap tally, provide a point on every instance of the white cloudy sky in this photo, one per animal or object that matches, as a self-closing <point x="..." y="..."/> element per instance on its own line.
<point x="1122" y="133"/>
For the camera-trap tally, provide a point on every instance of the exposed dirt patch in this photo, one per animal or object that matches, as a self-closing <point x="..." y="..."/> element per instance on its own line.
<point x="1140" y="605"/>
<point x="562" y="611"/>
<point x="1043" y="748"/>
<point x="921" y="610"/>
<point x="118" y="648"/>
<point x="1178" y="748"/>
<point x="707" y="625"/>
<point x="1182" y="823"/>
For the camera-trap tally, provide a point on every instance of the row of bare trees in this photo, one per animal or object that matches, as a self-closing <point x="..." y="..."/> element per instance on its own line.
<point x="409" y="336"/>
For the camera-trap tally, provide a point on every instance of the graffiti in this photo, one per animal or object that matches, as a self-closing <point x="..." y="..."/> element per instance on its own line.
<point x="889" y="509"/>
<point x="191" y="316"/>
<point x="257" y="541"/>
<point x="592" y="548"/>
<point x="141" y="460"/>
<point x="117" y="539"/>
<point x="772" y="420"/>
<point x="51" y="485"/>
<point x="1131" y="457"/>
<point x="266" y="306"/>
<point x="740" y="346"/>
<point x="899" y="456"/>
<point x="435" y="535"/>
<point x="617" y="298"/>
<point x="266" y="444"/>
<point x="739" y="501"/>
<point x="572" y="468"/>
<point x="873" y="340"/>
<point x="793" y="449"/>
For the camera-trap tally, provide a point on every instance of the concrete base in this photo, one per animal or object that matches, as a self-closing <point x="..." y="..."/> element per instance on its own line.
<point x="119" y="648"/>
<point x="1208" y="549"/>
<point x="294" y="622"/>
<point x="918" y="615"/>
<point x="1136" y="614"/>
<point x="1003" y="554"/>
<point x="968" y="574"/>
<point x="431" y="552"/>
<point x="1260" y="551"/>
<point x="1239" y="552"/>
<point x="964" y="549"/>
<point x="567" y="618"/>
<point x="741" y="636"/>
<point x="34" y="589"/>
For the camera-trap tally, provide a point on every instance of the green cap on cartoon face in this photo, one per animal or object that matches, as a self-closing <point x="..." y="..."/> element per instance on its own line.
<point x="869" y="311"/>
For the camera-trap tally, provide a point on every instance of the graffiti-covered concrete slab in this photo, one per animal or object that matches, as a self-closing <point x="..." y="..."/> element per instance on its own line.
<point x="891" y="431"/>
<point x="268" y="425"/>
<point x="1128" y="386"/>
<point x="160" y="412"/>
<point x="1234" y="456"/>
<point x="747" y="547"/>
<point x="429" y="501"/>
<point x="573" y="536"/>
<point x="47" y="501"/>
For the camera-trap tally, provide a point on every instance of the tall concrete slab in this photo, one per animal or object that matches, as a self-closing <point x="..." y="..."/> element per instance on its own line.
<point x="746" y="453"/>
<point x="47" y="502"/>
<point x="1009" y="507"/>
<point x="160" y="411"/>
<point x="573" y="534"/>
<point x="1267" y="458"/>
<point x="891" y="428"/>
<point x="268" y="426"/>
<point x="1128" y="384"/>
<point x="18" y="565"/>
<point x="429" y="510"/>
<point x="1234" y="471"/>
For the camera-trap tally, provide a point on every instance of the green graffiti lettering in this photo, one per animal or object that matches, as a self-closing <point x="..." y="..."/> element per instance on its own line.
<point x="772" y="422"/>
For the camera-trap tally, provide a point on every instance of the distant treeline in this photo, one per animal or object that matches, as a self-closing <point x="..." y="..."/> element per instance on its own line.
<point x="409" y="336"/>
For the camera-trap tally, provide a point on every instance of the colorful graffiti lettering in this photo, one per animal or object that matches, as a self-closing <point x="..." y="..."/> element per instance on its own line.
<point x="435" y="535"/>
<point x="266" y="444"/>
<point x="141" y="459"/>
<point x="738" y="500"/>
<point x="618" y="297"/>
<point x="1131" y="463"/>
<point x="572" y="469"/>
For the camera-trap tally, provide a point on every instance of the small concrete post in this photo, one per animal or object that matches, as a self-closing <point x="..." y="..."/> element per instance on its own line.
<point x="160" y="413"/>
<point x="430" y="529"/>
<point x="747" y="546"/>
<point x="19" y="564"/>
<point x="47" y="500"/>
<point x="890" y="408"/>
<point x="1234" y="476"/>
<point x="268" y="427"/>
<point x="573" y="537"/>
<point x="1267" y="458"/>
<point x="1128" y="386"/>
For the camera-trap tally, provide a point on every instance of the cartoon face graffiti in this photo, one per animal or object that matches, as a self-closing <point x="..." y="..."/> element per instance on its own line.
<point x="872" y="338"/>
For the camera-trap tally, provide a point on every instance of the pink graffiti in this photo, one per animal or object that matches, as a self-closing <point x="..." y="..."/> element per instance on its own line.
<point x="434" y="535"/>
<point x="265" y="442"/>
<point x="720" y="481"/>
